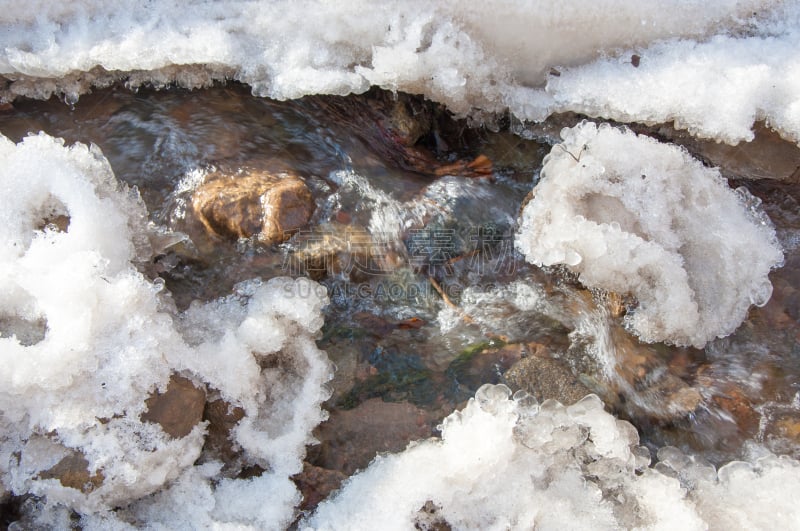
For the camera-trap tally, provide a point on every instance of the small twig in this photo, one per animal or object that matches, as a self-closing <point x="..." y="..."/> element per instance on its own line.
<point x="447" y="301"/>
<point x="578" y="158"/>
<point x="460" y="257"/>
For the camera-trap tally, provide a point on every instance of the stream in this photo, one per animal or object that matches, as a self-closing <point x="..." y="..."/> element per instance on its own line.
<point x="412" y="234"/>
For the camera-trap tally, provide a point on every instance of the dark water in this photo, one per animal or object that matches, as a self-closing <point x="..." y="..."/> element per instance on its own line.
<point x="429" y="300"/>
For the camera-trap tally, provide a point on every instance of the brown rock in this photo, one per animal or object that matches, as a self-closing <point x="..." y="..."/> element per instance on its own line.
<point x="73" y="471"/>
<point x="178" y="409"/>
<point x="333" y="249"/>
<point x="408" y="120"/>
<point x="546" y="378"/>
<point x="646" y="369"/>
<point x="222" y="418"/>
<point x="315" y="484"/>
<point x="350" y="439"/>
<point x="241" y="206"/>
<point x="733" y="401"/>
<point x="788" y="426"/>
<point x="480" y="166"/>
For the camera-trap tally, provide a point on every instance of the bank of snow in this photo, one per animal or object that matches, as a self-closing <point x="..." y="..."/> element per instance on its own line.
<point x="516" y="464"/>
<point x="712" y="67"/>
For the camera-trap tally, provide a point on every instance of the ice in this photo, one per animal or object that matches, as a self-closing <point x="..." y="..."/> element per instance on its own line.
<point x="486" y="472"/>
<point x="73" y="398"/>
<point x="713" y="67"/>
<point x="649" y="220"/>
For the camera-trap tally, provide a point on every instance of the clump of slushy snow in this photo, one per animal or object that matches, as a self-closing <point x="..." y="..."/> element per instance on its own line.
<point x="505" y="463"/>
<point x="634" y="216"/>
<point x="86" y="339"/>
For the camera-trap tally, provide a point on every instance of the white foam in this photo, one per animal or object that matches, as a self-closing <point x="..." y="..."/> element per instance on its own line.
<point x="87" y="338"/>
<point x="631" y="215"/>
<point x="490" y="56"/>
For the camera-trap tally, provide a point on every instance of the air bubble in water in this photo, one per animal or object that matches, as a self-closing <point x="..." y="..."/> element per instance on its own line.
<point x="158" y="284"/>
<point x="488" y="395"/>
<point x="760" y="297"/>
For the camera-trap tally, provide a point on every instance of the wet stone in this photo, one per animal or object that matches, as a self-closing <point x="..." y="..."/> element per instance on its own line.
<point x="221" y="418"/>
<point x="782" y="432"/>
<point x="73" y="472"/>
<point x="407" y="131"/>
<point x="739" y="407"/>
<point x="546" y="378"/>
<point x="408" y="119"/>
<point x="788" y="426"/>
<point x="646" y="368"/>
<point x="483" y="363"/>
<point x="316" y="483"/>
<point x="178" y="409"/>
<point x="352" y="438"/>
<point x="260" y="204"/>
<point x="336" y="249"/>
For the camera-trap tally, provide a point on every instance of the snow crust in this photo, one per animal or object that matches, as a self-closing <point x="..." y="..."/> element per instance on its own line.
<point x="86" y="339"/>
<point x="712" y="67"/>
<point x="634" y="216"/>
<point x="715" y="89"/>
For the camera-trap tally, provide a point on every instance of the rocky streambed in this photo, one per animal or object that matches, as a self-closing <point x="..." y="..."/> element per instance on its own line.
<point x="407" y="216"/>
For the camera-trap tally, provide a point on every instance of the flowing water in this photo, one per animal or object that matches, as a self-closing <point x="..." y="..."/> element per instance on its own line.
<point x="429" y="298"/>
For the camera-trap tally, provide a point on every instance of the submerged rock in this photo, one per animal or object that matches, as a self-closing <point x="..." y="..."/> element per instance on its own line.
<point x="352" y="438"/>
<point x="482" y="363"/>
<point x="735" y="403"/>
<point x="644" y="373"/>
<point x="546" y="378"/>
<point x="260" y="204"/>
<point x="781" y="431"/>
<point x="410" y="132"/>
